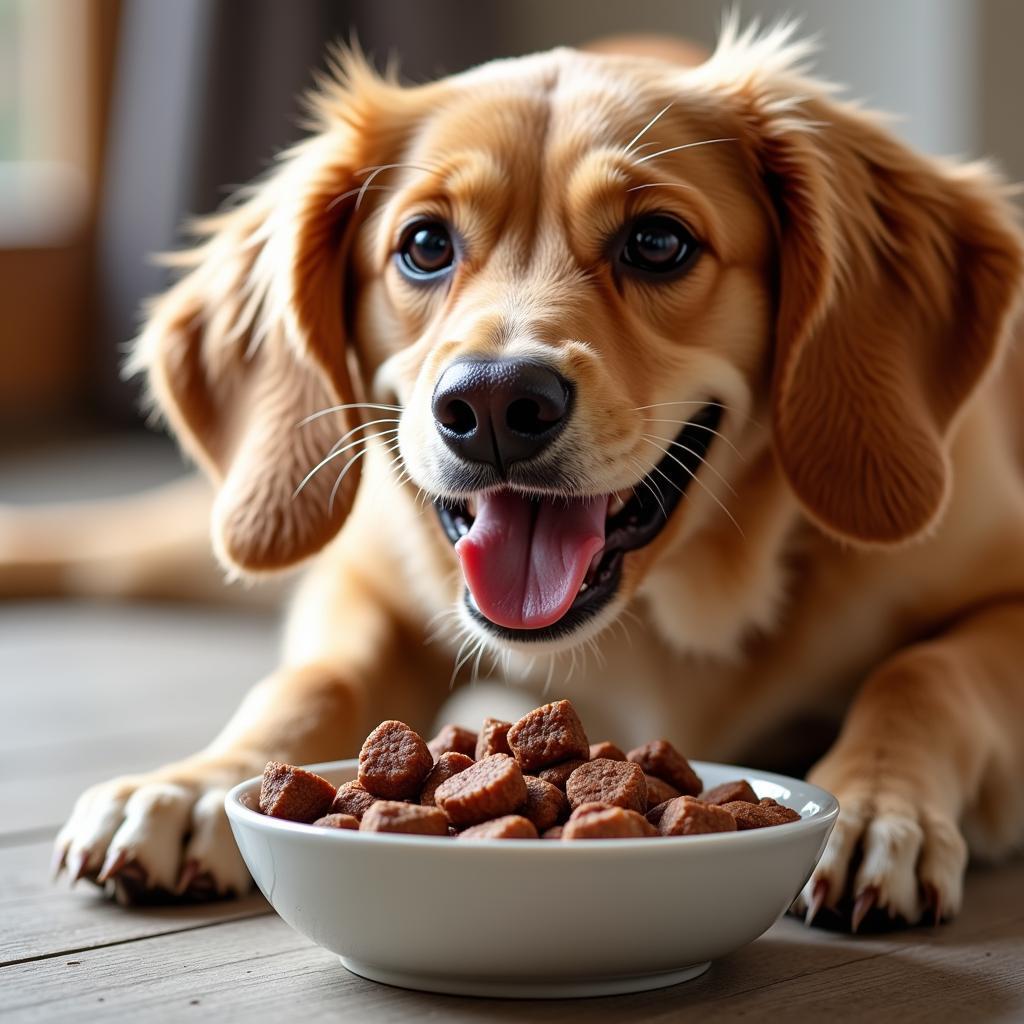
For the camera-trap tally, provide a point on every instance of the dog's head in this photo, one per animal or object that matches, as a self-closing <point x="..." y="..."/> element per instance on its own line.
<point x="566" y="289"/>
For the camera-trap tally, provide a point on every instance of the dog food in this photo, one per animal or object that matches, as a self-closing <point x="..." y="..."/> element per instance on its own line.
<point x="558" y="774"/>
<point x="293" y="793"/>
<point x="603" y="781"/>
<point x="453" y="739"/>
<point x="352" y="799"/>
<point x="337" y="821"/>
<point x="658" y="791"/>
<point x="493" y="739"/>
<point x="687" y="816"/>
<point x="490" y="788"/>
<point x="545" y="805"/>
<point x="548" y="735"/>
<point x="763" y="814"/>
<point x="728" y="792"/>
<point x="535" y="778"/>
<point x="511" y="826"/>
<point x="448" y="764"/>
<point x="660" y="759"/>
<point x="397" y="816"/>
<point x="607" y="750"/>
<point x="394" y="762"/>
<point x="606" y="821"/>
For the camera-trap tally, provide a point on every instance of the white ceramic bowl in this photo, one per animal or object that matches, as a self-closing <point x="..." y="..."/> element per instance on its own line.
<point x="533" y="918"/>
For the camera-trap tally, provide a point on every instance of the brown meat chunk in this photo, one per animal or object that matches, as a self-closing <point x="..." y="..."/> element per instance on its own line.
<point x="606" y="750"/>
<point x="352" y="799"/>
<point x="545" y="805"/>
<point x="658" y="791"/>
<point x="490" y="788"/>
<point x="448" y="764"/>
<point x="558" y="774"/>
<point x="727" y="792"/>
<point x="654" y="814"/>
<point x="619" y="783"/>
<point x="760" y="815"/>
<point x="453" y="739"/>
<point x="412" y="819"/>
<point x="555" y="832"/>
<point x="661" y="759"/>
<point x="337" y="821"/>
<point x="293" y="793"/>
<point x="601" y="821"/>
<point x="394" y="762"/>
<point x="687" y="816"/>
<point x="511" y="826"/>
<point x="493" y="738"/>
<point x="548" y="735"/>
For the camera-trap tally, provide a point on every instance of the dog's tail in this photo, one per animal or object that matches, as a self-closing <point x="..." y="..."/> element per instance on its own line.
<point x="154" y="545"/>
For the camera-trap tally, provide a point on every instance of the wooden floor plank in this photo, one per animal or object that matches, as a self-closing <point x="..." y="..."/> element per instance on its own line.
<point x="41" y="918"/>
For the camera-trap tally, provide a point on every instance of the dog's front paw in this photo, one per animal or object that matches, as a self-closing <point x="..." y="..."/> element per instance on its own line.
<point x="887" y="861"/>
<point x="162" y="836"/>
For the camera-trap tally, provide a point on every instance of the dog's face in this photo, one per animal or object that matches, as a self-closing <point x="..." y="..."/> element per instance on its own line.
<point x="576" y="277"/>
<point x="571" y="319"/>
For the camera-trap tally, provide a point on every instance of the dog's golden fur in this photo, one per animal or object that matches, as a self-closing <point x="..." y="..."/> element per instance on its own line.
<point x="854" y="547"/>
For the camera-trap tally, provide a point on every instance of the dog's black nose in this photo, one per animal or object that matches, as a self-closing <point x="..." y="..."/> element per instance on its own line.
<point x="500" y="411"/>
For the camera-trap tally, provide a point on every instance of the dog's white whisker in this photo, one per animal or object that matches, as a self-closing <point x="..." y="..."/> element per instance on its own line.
<point x="698" y="426"/>
<point x="353" y="191"/>
<point x="700" y="458"/>
<point x="372" y="173"/>
<point x="676" y="149"/>
<point x="661" y="184"/>
<point x="658" y="405"/>
<point x="647" y="483"/>
<point x="697" y="480"/>
<point x="459" y="660"/>
<point x="362" y="426"/>
<point x="349" y="405"/>
<point x="334" y="454"/>
<point x="348" y="465"/>
<point x="643" y="131"/>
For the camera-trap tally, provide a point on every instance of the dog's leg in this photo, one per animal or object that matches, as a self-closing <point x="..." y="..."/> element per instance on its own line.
<point x="155" y="544"/>
<point x="165" y="834"/>
<point x="932" y="744"/>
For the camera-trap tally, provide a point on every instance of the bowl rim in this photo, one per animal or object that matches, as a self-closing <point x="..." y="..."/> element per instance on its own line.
<point x="822" y="819"/>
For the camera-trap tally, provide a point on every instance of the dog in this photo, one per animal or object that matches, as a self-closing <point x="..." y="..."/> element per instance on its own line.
<point x="691" y="374"/>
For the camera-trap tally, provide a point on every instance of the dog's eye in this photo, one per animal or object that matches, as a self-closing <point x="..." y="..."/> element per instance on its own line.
<point x="657" y="244"/>
<point x="426" y="250"/>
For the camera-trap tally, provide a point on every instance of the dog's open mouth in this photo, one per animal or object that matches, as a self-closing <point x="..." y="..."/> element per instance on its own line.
<point x="537" y="566"/>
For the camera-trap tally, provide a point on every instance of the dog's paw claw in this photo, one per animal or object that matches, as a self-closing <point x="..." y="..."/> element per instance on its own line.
<point x="887" y="862"/>
<point x="151" y="839"/>
<point x="865" y="902"/>
<point x="112" y="865"/>
<point x="818" y="896"/>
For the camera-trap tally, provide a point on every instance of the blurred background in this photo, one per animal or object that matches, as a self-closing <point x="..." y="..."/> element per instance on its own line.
<point x="118" y="118"/>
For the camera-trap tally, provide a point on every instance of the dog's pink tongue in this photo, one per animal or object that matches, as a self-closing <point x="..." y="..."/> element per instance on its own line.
<point x="524" y="561"/>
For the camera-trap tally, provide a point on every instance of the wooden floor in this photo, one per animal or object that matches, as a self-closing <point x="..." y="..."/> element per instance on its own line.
<point x="87" y="692"/>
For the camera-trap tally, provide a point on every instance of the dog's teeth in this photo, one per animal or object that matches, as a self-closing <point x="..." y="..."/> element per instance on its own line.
<point x="460" y="525"/>
<point x="583" y="586"/>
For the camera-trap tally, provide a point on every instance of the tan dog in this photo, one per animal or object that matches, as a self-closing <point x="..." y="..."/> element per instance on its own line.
<point x="549" y="296"/>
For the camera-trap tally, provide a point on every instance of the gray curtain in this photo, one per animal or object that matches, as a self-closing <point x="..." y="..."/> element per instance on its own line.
<point x="206" y="91"/>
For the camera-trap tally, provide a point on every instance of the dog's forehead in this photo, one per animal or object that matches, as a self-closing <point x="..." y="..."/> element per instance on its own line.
<point x="532" y="120"/>
<point x="557" y="100"/>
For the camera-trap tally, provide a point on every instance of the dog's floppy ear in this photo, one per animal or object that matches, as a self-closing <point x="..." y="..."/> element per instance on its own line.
<point x="898" y="279"/>
<point x="251" y="342"/>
